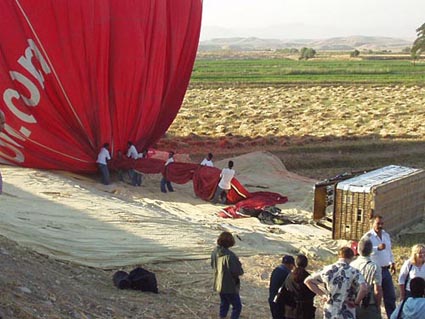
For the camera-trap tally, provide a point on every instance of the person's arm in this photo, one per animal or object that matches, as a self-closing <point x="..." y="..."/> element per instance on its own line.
<point x="388" y="246"/>
<point x="360" y="295"/>
<point x="404" y="272"/>
<point x="377" y="293"/>
<point x="314" y="285"/>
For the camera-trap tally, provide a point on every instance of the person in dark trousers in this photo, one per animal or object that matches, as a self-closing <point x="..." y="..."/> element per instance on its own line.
<point x="303" y="297"/>
<point x="277" y="280"/>
<point x="383" y="256"/>
<point x="227" y="269"/>
<point x="102" y="162"/>
<point x="164" y="181"/>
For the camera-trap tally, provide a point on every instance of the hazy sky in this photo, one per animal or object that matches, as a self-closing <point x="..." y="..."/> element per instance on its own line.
<point x="313" y="18"/>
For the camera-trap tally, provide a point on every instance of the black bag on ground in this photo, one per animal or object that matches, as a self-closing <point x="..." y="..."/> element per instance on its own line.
<point x="120" y="280"/>
<point x="142" y="279"/>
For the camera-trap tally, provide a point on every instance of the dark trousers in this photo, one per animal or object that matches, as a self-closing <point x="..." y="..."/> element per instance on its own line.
<point x="136" y="178"/>
<point x="230" y="299"/>
<point x="388" y="292"/>
<point x="164" y="183"/>
<point x="277" y="310"/>
<point x="105" y="173"/>
<point x="220" y="193"/>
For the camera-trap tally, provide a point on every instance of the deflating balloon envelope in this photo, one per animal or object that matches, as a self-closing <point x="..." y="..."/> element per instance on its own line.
<point x="75" y="74"/>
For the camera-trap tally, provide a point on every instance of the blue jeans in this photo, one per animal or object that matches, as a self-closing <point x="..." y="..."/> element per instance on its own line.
<point x="105" y="173"/>
<point x="220" y="193"/>
<point x="388" y="291"/>
<point x="136" y="178"/>
<point x="230" y="299"/>
<point x="169" y="186"/>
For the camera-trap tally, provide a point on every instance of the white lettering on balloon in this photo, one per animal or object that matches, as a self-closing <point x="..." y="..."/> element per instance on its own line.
<point x="12" y="141"/>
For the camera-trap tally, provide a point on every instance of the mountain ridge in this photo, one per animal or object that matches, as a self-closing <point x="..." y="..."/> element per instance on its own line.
<point x="348" y="43"/>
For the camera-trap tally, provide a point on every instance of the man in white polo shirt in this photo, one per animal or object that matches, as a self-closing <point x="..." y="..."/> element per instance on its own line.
<point x="382" y="255"/>
<point x="224" y="185"/>
<point x="102" y="162"/>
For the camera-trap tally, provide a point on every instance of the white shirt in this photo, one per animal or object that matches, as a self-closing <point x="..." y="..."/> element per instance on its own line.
<point x="383" y="257"/>
<point x="226" y="177"/>
<point x="207" y="162"/>
<point x="169" y="161"/>
<point x="132" y="152"/>
<point x="415" y="271"/>
<point x="103" y="156"/>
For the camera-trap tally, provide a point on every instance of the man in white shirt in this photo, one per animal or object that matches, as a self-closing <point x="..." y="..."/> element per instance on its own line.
<point x="102" y="163"/>
<point x="224" y="185"/>
<point x="208" y="161"/>
<point x="382" y="255"/>
<point x="136" y="177"/>
<point x="164" y="181"/>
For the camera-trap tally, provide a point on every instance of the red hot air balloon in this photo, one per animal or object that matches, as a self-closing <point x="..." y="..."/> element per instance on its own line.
<point x="75" y="74"/>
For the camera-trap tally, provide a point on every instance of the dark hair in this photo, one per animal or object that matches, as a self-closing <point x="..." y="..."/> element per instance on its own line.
<point x="226" y="240"/>
<point x="210" y="156"/>
<point x="230" y="164"/>
<point x="105" y="145"/>
<point x="365" y="247"/>
<point x="301" y="263"/>
<point x="417" y="287"/>
<point x="346" y="253"/>
<point x="129" y="143"/>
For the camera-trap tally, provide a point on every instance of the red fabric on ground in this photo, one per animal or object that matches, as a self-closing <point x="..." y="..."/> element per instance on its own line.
<point x="205" y="180"/>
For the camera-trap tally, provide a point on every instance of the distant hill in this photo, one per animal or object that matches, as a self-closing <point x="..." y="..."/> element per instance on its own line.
<point x="361" y="43"/>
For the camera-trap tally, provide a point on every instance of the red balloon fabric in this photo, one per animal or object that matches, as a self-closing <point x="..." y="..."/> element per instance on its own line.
<point x="75" y="74"/>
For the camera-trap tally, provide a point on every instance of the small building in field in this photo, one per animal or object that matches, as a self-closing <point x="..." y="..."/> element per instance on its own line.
<point x="395" y="192"/>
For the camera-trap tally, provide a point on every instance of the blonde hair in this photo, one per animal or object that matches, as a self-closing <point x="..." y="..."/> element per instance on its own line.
<point x="416" y="249"/>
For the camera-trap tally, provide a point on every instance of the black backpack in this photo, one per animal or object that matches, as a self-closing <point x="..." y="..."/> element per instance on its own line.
<point x="138" y="279"/>
<point x="142" y="279"/>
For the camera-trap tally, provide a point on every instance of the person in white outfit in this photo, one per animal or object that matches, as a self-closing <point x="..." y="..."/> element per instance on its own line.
<point x="207" y="161"/>
<point x="412" y="267"/>
<point x="136" y="177"/>
<point x="412" y="307"/>
<point x="102" y="162"/>
<point x="224" y="185"/>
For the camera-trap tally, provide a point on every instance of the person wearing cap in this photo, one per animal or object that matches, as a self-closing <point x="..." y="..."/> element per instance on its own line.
<point x="337" y="284"/>
<point x="277" y="279"/>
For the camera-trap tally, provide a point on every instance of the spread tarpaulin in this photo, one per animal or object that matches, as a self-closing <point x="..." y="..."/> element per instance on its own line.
<point x="75" y="74"/>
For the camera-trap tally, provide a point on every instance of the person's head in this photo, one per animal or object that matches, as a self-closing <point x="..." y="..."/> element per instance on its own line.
<point x="301" y="261"/>
<point x="129" y="143"/>
<point x="226" y="240"/>
<point x="170" y="154"/>
<point x="365" y="247"/>
<point x="378" y="223"/>
<point x="230" y="164"/>
<point x="417" y="287"/>
<point x="209" y="156"/>
<point x="106" y="145"/>
<point x="417" y="256"/>
<point x="346" y="253"/>
<point x="288" y="261"/>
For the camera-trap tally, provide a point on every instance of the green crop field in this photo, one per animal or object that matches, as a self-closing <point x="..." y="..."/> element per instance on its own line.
<point x="283" y="71"/>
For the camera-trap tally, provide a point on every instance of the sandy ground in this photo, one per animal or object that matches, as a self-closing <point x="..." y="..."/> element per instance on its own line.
<point x="73" y="233"/>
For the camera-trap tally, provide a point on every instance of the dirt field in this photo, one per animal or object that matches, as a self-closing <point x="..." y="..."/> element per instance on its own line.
<point x="317" y="132"/>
